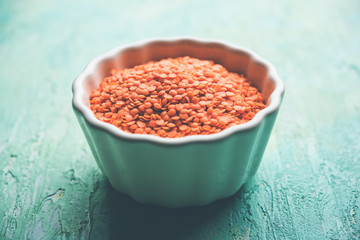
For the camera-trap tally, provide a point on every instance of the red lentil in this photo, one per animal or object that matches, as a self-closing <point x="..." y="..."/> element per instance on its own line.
<point x="175" y="98"/>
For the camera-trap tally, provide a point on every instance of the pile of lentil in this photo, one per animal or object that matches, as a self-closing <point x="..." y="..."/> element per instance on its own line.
<point x="175" y="98"/>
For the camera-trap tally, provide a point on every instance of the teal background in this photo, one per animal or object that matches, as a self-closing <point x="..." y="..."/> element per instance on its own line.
<point x="308" y="184"/>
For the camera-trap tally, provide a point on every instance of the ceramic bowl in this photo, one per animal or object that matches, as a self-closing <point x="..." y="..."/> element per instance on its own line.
<point x="187" y="171"/>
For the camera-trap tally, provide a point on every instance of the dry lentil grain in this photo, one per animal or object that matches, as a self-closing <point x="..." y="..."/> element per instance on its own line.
<point x="175" y="98"/>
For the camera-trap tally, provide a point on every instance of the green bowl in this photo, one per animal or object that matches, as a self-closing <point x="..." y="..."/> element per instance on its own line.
<point x="187" y="171"/>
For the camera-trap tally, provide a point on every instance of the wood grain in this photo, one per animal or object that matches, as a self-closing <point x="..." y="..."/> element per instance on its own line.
<point x="307" y="186"/>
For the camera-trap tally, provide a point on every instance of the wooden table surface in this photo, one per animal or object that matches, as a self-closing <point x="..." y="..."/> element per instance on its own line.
<point x="308" y="184"/>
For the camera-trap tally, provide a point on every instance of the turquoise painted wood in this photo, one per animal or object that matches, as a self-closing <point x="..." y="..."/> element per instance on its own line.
<point x="308" y="184"/>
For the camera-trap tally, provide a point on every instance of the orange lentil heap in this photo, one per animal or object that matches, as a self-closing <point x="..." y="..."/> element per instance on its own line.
<point x="175" y="98"/>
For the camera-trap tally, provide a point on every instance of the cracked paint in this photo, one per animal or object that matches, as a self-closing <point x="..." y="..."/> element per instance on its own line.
<point x="307" y="186"/>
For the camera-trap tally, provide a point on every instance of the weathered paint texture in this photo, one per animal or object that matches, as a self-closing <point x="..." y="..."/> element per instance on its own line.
<point x="308" y="185"/>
